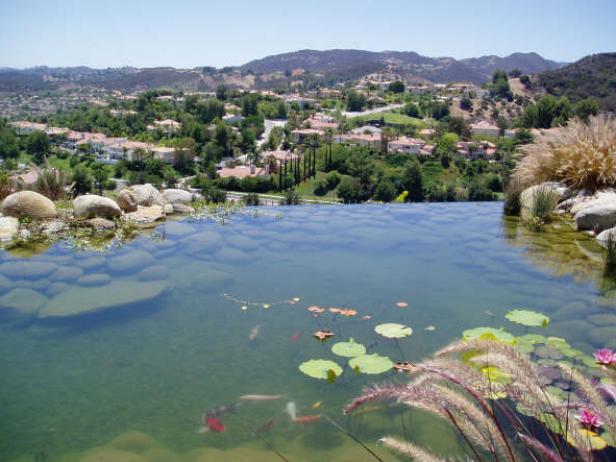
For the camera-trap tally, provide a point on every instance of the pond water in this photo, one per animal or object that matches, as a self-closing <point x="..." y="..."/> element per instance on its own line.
<point x="115" y="355"/>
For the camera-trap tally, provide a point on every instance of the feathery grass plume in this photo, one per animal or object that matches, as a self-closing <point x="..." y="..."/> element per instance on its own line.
<point x="540" y="448"/>
<point x="408" y="449"/>
<point x="581" y="154"/>
<point x="590" y="393"/>
<point x="51" y="182"/>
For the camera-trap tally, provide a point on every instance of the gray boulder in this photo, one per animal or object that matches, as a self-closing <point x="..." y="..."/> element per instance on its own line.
<point x="9" y="227"/>
<point x="91" y="206"/>
<point x="179" y="207"/>
<point x="100" y="224"/>
<point x="28" y="204"/>
<point x="177" y="196"/>
<point x="127" y="200"/>
<point x="597" y="214"/>
<point x="145" y="215"/>
<point x="146" y="194"/>
<point x="604" y="236"/>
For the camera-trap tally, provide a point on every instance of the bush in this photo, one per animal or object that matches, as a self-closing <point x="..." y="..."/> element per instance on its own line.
<point x="544" y="203"/>
<point x="333" y="179"/>
<point x="385" y="191"/>
<point x="580" y="155"/>
<point x="511" y="206"/>
<point x="478" y="191"/>
<point x="51" y="183"/>
<point x="290" y="198"/>
<point x="320" y="188"/>
<point x="350" y="190"/>
<point x="216" y="195"/>
<point x="5" y="185"/>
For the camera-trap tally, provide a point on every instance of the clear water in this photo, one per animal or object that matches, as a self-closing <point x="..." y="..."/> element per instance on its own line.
<point x="136" y="379"/>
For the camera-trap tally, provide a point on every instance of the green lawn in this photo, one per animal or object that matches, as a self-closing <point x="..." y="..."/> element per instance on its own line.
<point x="391" y="118"/>
<point x="306" y="188"/>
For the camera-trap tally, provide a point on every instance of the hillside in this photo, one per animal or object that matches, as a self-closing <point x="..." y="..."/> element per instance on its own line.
<point x="329" y="66"/>
<point x="594" y="75"/>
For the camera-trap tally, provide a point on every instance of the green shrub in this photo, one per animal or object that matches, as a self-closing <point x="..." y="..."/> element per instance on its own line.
<point x="251" y="199"/>
<point x="610" y="255"/>
<point x="544" y="203"/>
<point x="511" y="206"/>
<point x="320" y="188"/>
<point x="333" y="179"/>
<point x="290" y="198"/>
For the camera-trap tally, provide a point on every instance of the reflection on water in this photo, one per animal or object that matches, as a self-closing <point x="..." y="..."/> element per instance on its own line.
<point x="114" y="356"/>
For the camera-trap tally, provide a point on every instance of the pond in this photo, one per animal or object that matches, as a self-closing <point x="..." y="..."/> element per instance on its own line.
<point x="115" y="355"/>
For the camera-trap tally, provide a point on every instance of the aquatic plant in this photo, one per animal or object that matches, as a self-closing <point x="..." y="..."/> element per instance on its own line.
<point x="544" y="203"/>
<point x="528" y="318"/>
<point x="580" y="154"/>
<point x="320" y="368"/>
<point x="393" y="330"/>
<point x="251" y="199"/>
<point x="348" y="349"/>
<point x="371" y="364"/>
<point x="51" y="182"/>
<point x="453" y="386"/>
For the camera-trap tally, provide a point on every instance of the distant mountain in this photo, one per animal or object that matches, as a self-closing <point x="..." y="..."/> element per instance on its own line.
<point x="354" y="63"/>
<point x="594" y="75"/>
<point x="328" y="67"/>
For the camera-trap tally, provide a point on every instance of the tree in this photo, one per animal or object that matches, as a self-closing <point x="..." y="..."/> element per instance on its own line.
<point x="350" y="190"/>
<point x="466" y="104"/>
<point x="412" y="181"/>
<point x="412" y="110"/>
<point x="459" y="126"/>
<point x="396" y="87"/>
<point x="586" y="108"/>
<point x="478" y="191"/>
<point x="385" y="190"/>
<point x="101" y="175"/>
<point x="221" y="92"/>
<point x="250" y="105"/>
<point x="356" y="102"/>
<point x="515" y="72"/>
<point x="9" y="145"/>
<point x="38" y="145"/>
<point x="82" y="180"/>
<point x="547" y="112"/>
<point x="500" y="85"/>
<point x="360" y="165"/>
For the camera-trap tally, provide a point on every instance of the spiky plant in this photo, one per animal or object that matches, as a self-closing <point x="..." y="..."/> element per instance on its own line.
<point x="454" y="386"/>
<point x="544" y="202"/>
<point x="582" y="155"/>
<point x="51" y="182"/>
<point x="5" y="185"/>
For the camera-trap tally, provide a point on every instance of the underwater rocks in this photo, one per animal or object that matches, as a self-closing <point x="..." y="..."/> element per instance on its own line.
<point x="154" y="273"/>
<point x="92" y="206"/>
<point x="22" y="300"/>
<point x="28" y="204"/>
<point x="131" y="261"/>
<point x="94" y="280"/>
<point x="86" y="300"/>
<point x="26" y="269"/>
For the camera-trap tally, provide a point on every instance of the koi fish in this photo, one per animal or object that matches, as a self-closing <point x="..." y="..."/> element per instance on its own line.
<point x="260" y="397"/>
<point x="215" y="425"/>
<point x="254" y="332"/>
<point x="306" y="419"/>
<point x="295" y="337"/>
<point x="291" y="409"/>
<point x="316" y="405"/>
<point x="265" y="426"/>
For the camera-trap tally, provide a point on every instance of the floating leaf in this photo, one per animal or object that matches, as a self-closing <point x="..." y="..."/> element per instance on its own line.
<point x="591" y="440"/>
<point x="489" y="333"/>
<point x="348" y="312"/>
<point x="393" y="330"/>
<point x="405" y="366"/>
<point x="320" y="368"/>
<point x="349" y="349"/>
<point x="402" y="304"/>
<point x="371" y="364"/>
<point x="532" y="338"/>
<point x="528" y="318"/>
<point x="323" y="335"/>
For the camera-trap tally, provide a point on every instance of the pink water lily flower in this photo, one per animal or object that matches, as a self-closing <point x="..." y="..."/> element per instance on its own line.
<point x="605" y="357"/>
<point x="589" y="419"/>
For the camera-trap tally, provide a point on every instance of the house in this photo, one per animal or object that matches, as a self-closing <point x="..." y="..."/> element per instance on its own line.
<point x="481" y="150"/>
<point x="164" y="153"/>
<point x="373" y="140"/>
<point x="303" y="135"/>
<point x="23" y="127"/>
<point x="427" y="132"/>
<point x="406" y="145"/>
<point x="242" y="171"/>
<point x="167" y="126"/>
<point x="320" y="122"/>
<point x="281" y="156"/>
<point x="121" y="112"/>
<point x="483" y="128"/>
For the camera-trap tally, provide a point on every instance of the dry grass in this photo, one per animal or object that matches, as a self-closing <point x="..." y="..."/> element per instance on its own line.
<point x="583" y="156"/>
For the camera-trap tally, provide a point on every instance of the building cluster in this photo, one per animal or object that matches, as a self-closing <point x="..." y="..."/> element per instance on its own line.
<point x="106" y="149"/>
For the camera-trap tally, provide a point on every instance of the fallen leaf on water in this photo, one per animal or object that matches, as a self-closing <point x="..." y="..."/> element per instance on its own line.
<point x="296" y="299"/>
<point x="348" y="312"/>
<point x="244" y="307"/>
<point x="323" y="335"/>
<point x="266" y="305"/>
<point x="366" y="317"/>
<point x="402" y="304"/>
<point x="316" y="309"/>
<point x="404" y="366"/>
<point x="335" y="310"/>
<point x="430" y="328"/>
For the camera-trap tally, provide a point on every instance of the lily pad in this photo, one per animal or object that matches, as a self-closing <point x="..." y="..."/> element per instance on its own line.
<point x="528" y="318"/>
<point x="349" y="349"/>
<point x="371" y="364"/>
<point x="489" y="333"/>
<point x="320" y="368"/>
<point x="393" y="330"/>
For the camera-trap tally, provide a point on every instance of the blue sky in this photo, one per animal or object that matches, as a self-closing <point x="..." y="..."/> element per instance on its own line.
<point x="189" y="33"/>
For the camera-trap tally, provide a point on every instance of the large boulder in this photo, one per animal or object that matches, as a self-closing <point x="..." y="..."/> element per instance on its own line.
<point x="179" y="207"/>
<point x="28" y="204"/>
<point x="146" y="215"/>
<point x="596" y="214"/>
<point x="605" y="235"/>
<point x="127" y="200"/>
<point x="527" y="198"/>
<point x="9" y="227"/>
<point x="91" y="206"/>
<point x="177" y="196"/>
<point x="146" y="194"/>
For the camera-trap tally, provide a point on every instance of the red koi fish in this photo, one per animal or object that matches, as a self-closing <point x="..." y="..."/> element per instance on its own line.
<point x="295" y="337"/>
<point x="215" y="425"/>
<point x="306" y="419"/>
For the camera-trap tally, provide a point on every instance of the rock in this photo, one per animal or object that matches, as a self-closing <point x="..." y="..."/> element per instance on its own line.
<point x="131" y="261"/>
<point x="100" y="224"/>
<point x="5" y="283"/>
<point x="134" y="441"/>
<point x="66" y="273"/>
<point x="146" y="215"/>
<point x="91" y="205"/>
<point x="54" y="227"/>
<point x="25" y="301"/>
<point x="146" y="194"/>
<point x="56" y="287"/>
<point x="87" y="300"/>
<point x="182" y="208"/>
<point x="597" y="214"/>
<point x="90" y="262"/>
<point x="24" y="234"/>
<point x="28" y="204"/>
<point x="154" y="273"/>
<point x="604" y="236"/>
<point x="527" y="198"/>
<point x="94" y="280"/>
<point x="27" y="269"/>
<point x="177" y="196"/>
<point x="603" y="320"/>
<point x="9" y="227"/>
<point x="127" y="200"/>
<point x="168" y="209"/>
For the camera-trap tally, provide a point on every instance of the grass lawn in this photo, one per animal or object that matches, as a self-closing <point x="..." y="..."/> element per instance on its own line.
<point x="391" y="118"/>
<point x="60" y="164"/>
<point x="306" y="188"/>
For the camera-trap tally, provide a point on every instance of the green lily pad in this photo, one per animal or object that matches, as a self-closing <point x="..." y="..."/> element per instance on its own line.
<point x="525" y="347"/>
<point x="532" y="338"/>
<point x="320" y="368"/>
<point x="489" y="333"/>
<point x="393" y="330"/>
<point x="371" y="364"/>
<point x="528" y="318"/>
<point x="349" y="349"/>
